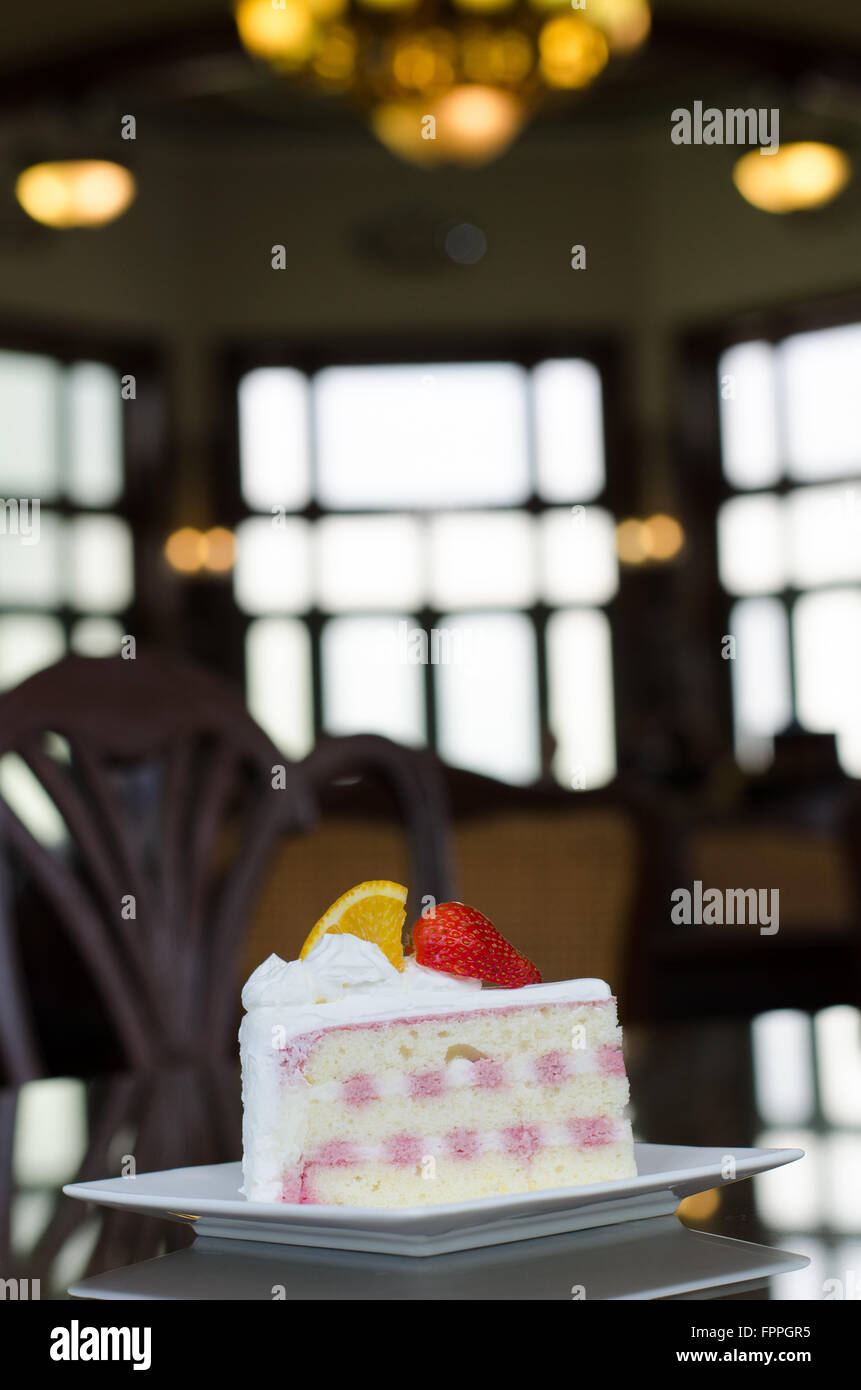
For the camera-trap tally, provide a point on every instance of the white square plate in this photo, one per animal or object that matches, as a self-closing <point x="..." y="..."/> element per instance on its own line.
<point x="209" y="1197"/>
<point x="659" y="1258"/>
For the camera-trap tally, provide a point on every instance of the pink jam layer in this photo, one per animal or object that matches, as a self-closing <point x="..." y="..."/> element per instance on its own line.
<point x="520" y="1139"/>
<point x="487" y="1075"/>
<point x="298" y="1050"/>
<point x="464" y="1145"/>
<point x="360" y="1089"/>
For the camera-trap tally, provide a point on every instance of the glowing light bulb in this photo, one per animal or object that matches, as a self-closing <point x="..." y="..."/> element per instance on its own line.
<point x="476" y="123"/>
<point x="282" y="33"/>
<point x="220" y="548"/>
<point x="75" y="192"/>
<point x="572" y="52"/>
<point x="625" y="23"/>
<point x="335" y="59"/>
<point x="661" y="537"/>
<point x="404" y="128"/>
<point x="629" y="542"/>
<point x="424" y="62"/>
<point x="798" y="176"/>
<point x="185" y="550"/>
<point x="490" y="57"/>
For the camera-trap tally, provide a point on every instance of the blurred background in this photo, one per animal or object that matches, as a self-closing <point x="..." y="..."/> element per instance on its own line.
<point x="396" y="370"/>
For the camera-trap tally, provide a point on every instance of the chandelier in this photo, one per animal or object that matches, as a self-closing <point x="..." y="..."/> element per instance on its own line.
<point x="443" y="81"/>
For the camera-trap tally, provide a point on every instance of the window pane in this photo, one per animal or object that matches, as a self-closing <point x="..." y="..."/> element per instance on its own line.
<point x="273" y="438"/>
<point x="28" y="642"/>
<point x="482" y="558"/>
<point x="94" y="435"/>
<point x="369" y="562"/>
<point x="24" y="794"/>
<point x="761" y="688"/>
<point x="273" y="562"/>
<point x="578" y="555"/>
<point x="783" y="1067"/>
<point x="29" y="411"/>
<point x="827" y="630"/>
<point x="487" y="701"/>
<point x="96" y="637"/>
<point x="841" y="1187"/>
<point x="101" y="567"/>
<point x="824" y="534"/>
<point x="580" y="697"/>
<point x="52" y="1135"/>
<point x="822" y="372"/>
<point x="422" y="436"/>
<point x="278" y="682"/>
<point x="569" y="430"/>
<point x="31" y="563"/>
<point x="791" y="1197"/>
<point x="838" y="1048"/>
<point x="748" y="415"/>
<point x="751" y="552"/>
<point x="373" y="681"/>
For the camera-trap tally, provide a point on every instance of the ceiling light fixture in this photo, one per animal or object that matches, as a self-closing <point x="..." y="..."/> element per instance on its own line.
<point x="75" y="192"/>
<point x="796" y="178"/>
<point x="443" y="81"/>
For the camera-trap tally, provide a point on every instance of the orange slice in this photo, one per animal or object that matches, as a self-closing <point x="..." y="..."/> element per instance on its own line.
<point x="373" y="911"/>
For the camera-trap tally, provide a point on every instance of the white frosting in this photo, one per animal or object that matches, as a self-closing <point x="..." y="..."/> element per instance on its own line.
<point x="342" y="980"/>
<point x="338" y="963"/>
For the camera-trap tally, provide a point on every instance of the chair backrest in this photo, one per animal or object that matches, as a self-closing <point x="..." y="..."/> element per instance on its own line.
<point x="773" y="914"/>
<point x="559" y="884"/>
<point x="809" y="868"/>
<point x="567" y="878"/>
<point x="572" y="879"/>
<point x="381" y="811"/>
<point x="170" y="810"/>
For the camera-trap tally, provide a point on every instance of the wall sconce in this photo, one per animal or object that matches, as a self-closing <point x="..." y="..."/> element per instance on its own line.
<point x="190" y="551"/>
<point x="649" y="540"/>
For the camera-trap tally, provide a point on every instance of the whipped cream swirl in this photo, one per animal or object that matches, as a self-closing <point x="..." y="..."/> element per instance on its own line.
<point x="343" y="966"/>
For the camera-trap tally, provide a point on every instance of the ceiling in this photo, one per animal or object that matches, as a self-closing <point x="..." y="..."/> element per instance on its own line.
<point x="63" y="28"/>
<point x="179" y="63"/>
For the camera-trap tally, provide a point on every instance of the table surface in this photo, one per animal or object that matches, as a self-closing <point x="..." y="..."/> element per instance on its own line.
<point x="727" y="1083"/>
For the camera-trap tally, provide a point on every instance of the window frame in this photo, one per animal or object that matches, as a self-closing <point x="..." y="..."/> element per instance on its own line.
<point x="703" y="485"/>
<point x="146" y="458"/>
<point x="310" y="356"/>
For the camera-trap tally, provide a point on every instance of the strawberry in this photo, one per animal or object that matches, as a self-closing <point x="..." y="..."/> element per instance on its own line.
<point x="461" y="941"/>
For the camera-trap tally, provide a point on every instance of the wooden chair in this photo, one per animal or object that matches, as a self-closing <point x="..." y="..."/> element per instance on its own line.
<point x="172" y="811"/>
<point x="165" y="787"/>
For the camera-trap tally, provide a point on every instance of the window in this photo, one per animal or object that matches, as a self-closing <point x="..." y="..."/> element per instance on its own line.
<point x="789" y="536"/>
<point x="807" y="1094"/>
<point x="426" y="553"/>
<point x="66" y="551"/>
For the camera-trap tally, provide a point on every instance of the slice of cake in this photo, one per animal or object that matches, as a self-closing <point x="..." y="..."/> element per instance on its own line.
<point x="366" y="1084"/>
